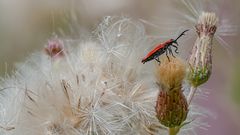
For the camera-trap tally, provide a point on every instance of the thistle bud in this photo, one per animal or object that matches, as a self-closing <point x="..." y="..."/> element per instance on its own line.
<point x="171" y="106"/>
<point x="54" y="48"/>
<point x="200" y="60"/>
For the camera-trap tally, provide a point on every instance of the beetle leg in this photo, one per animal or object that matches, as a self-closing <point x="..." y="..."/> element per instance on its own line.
<point x="176" y="43"/>
<point x="157" y="59"/>
<point x="167" y="54"/>
<point x="176" y="48"/>
<point x="170" y="51"/>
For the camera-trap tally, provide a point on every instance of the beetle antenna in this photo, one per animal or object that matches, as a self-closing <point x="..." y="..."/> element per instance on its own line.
<point x="183" y="33"/>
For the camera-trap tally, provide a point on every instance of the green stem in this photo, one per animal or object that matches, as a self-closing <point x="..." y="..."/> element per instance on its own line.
<point x="177" y="129"/>
<point x="191" y="94"/>
<point x="173" y="131"/>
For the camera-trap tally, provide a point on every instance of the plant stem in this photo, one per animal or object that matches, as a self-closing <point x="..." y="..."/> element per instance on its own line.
<point x="191" y="94"/>
<point x="171" y="131"/>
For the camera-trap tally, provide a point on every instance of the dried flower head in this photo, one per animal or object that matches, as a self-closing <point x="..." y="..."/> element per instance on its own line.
<point x="200" y="60"/>
<point x="170" y="74"/>
<point x="171" y="106"/>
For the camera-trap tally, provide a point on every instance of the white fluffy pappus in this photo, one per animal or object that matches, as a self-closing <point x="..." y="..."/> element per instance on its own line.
<point x="98" y="87"/>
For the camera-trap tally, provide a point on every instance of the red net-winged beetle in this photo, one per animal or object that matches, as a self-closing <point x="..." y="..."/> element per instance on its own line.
<point x="162" y="48"/>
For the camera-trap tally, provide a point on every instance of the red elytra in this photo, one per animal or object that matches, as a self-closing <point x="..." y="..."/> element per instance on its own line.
<point x="157" y="48"/>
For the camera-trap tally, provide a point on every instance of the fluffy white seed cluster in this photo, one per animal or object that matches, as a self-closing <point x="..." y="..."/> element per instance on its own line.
<point x="98" y="87"/>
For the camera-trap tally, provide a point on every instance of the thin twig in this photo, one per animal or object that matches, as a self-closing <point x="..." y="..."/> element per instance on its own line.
<point x="191" y="94"/>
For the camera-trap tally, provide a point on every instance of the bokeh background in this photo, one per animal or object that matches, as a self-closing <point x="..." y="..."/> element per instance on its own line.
<point x="26" y="25"/>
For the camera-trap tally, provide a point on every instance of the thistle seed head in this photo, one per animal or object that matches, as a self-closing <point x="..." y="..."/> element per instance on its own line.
<point x="200" y="61"/>
<point x="170" y="74"/>
<point x="171" y="106"/>
<point x="97" y="88"/>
